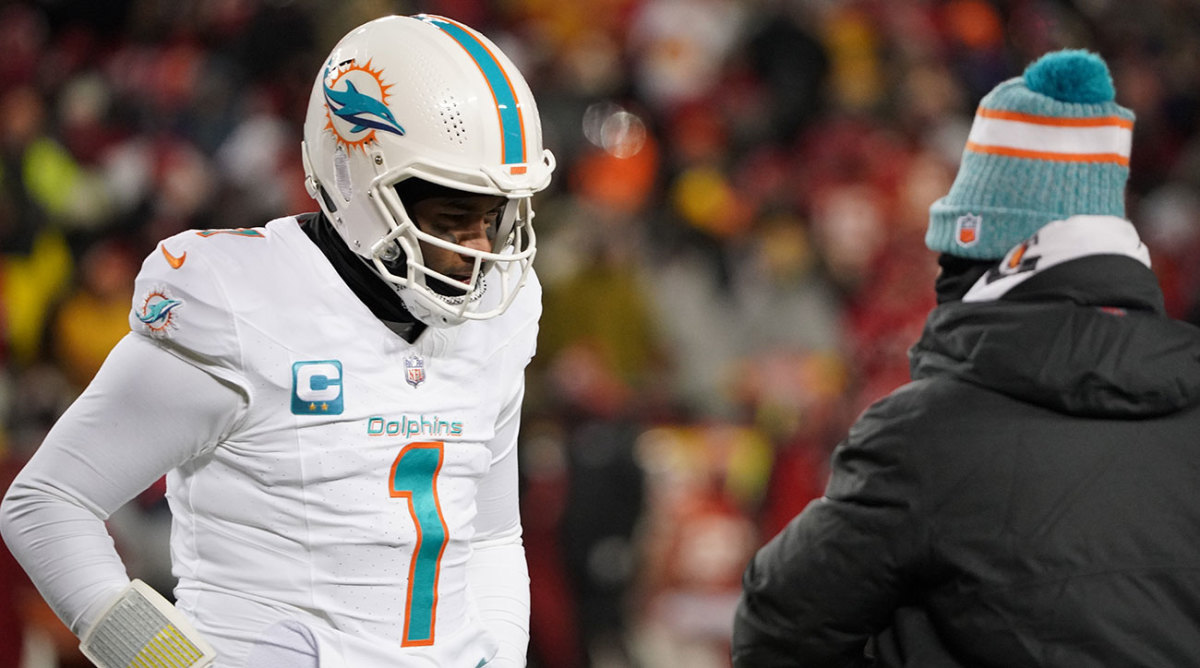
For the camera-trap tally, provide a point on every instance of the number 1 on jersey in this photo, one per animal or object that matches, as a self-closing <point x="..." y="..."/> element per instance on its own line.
<point x="414" y="477"/>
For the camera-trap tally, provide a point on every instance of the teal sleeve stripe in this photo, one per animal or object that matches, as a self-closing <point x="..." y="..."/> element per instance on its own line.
<point x="511" y="130"/>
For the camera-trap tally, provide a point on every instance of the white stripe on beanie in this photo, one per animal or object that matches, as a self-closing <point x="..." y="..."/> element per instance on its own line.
<point x="1103" y="139"/>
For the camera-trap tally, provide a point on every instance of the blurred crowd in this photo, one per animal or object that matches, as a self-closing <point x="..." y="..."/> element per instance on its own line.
<point x="732" y="248"/>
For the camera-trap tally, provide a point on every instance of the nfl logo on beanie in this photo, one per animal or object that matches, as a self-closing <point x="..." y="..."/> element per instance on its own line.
<point x="1044" y="146"/>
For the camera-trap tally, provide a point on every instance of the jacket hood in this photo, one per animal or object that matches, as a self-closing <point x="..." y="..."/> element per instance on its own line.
<point x="1084" y="334"/>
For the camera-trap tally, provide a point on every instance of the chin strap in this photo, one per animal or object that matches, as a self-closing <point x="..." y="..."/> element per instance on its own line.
<point x="141" y="629"/>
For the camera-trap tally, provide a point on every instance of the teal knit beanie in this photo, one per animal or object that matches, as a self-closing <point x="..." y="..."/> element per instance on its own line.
<point x="1044" y="146"/>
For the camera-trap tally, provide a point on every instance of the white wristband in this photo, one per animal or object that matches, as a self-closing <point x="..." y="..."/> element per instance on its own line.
<point x="141" y="629"/>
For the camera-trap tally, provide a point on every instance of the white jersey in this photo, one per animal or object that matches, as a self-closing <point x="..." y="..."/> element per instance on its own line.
<point x="360" y="482"/>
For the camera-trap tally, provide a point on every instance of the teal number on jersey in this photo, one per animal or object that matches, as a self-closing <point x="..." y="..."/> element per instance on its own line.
<point x="414" y="477"/>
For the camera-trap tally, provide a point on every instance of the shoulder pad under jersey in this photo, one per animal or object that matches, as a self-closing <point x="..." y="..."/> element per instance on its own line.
<point x="181" y="295"/>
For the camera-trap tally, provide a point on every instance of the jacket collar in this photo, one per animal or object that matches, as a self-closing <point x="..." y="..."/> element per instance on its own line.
<point x="1080" y="330"/>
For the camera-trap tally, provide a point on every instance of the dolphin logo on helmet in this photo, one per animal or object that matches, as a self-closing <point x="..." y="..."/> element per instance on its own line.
<point x="363" y="111"/>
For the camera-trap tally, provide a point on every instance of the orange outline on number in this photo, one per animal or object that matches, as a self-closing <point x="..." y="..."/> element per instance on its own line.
<point x="412" y="567"/>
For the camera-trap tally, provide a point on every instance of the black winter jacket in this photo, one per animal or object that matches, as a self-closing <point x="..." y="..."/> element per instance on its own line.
<point x="1031" y="498"/>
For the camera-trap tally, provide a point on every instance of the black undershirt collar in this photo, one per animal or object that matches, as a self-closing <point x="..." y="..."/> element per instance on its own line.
<point x="362" y="280"/>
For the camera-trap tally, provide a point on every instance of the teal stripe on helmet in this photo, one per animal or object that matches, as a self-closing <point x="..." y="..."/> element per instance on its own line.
<point x="512" y="131"/>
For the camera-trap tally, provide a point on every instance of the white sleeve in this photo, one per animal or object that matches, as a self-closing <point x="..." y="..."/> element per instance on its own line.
<point x="498" y="573"/>
<point x="146" y="412"/>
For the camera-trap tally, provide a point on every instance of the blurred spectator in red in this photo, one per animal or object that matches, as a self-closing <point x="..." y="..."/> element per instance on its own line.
<point x="695" y="539"/>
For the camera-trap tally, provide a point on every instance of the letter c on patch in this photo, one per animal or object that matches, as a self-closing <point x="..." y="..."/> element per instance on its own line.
<point x="317" y="387"/>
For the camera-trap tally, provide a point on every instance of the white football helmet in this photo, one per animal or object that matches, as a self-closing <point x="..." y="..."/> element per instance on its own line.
<point x="429" y="98"/>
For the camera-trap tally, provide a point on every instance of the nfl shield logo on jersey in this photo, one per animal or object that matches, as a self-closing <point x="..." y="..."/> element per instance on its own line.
<point x="414" y="370"/>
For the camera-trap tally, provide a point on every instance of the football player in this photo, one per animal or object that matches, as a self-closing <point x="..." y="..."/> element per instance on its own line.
<point x="333" y="397"/>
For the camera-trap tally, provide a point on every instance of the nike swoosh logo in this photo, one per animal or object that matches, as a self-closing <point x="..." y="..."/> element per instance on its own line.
<point x="175" y="262"/>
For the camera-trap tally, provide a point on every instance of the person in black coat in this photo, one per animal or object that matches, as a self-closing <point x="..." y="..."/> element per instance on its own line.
<point x="1032" y="496"/>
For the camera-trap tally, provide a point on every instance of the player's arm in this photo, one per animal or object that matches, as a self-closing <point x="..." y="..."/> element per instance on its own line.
<point x="832" y="579"/>
<point x="146" y="412"/>
<point x="497" y="573"/>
